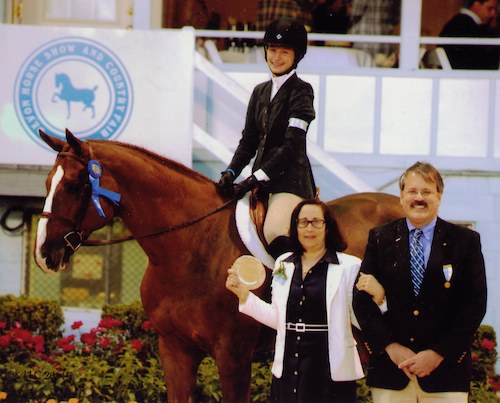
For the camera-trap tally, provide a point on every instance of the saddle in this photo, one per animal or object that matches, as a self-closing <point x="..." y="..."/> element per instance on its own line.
<point x="258" y="210"/>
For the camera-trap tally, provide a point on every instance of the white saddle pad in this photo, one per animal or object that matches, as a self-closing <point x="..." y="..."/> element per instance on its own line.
<point x="248" y="232"/>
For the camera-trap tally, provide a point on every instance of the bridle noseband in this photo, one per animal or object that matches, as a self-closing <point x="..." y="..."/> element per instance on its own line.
<point x="75" y="238"/>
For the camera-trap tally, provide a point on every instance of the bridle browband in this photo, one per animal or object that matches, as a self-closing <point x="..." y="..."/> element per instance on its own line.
<point x="75" y="238"/>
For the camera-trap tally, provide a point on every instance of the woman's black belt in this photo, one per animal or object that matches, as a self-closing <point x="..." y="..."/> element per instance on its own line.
<point x="304" y="327"/>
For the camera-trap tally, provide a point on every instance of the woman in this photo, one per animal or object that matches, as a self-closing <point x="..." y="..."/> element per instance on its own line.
<point x="316" y="358"/>
<point x="278" y="116"/>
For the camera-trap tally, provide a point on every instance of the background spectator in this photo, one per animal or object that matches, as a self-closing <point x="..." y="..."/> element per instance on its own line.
<point x="477" y="19"/>
<point x="375" y="17"/>
<point x="270" y="10"/>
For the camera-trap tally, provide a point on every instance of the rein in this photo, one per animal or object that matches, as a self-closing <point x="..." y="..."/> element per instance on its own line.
<point x="99" y="242"/>
<point x="77" y="232"/>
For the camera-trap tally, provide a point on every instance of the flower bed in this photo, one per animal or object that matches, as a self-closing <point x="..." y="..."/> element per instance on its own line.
<point x="118" y="359"/>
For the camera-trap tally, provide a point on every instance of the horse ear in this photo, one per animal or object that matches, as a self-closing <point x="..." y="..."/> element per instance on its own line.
<point x="53" y="142"/>
<point x="74" y="143"/>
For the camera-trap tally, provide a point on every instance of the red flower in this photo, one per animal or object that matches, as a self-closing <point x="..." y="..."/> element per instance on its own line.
<point x="3" y="325"/>
<point x="136" y="344"/>
<point x="21" y="336"/>
<point x="147" y="325"/>
<point x="65" y="341"/>
<point x="104" y="342"/>
<point x="488" y="344"/>
<point x="109" y="323"/>
<point x="474" y="357"/>
<point x="88" y="338"/>
<point x="77" y="325"/>
<point x="39" y="343"/>
<point x="4" y="341"/>
<point x="68" y="347"/>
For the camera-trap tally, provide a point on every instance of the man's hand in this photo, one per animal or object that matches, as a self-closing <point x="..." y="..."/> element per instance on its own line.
<point x="421" y="364"/>
<point x="400" y="354"/>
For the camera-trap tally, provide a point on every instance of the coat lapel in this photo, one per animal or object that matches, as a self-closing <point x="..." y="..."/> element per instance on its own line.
<point x="437" y="258"/>
<point x="333" y="278"/>
<point x="402" y="256"/>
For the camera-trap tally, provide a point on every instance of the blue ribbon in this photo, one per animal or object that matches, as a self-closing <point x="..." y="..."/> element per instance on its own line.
<point x="95" y="172"/>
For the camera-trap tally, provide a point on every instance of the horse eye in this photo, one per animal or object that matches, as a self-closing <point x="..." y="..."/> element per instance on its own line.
<point x="73" y="187"/>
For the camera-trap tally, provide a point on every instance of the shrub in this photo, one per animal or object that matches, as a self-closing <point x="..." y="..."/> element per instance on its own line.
<point x="33" y="314"/>
<point x="118" y="360"/>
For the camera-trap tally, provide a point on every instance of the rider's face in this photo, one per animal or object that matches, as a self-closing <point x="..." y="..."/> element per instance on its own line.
<point x="279" y="59"/>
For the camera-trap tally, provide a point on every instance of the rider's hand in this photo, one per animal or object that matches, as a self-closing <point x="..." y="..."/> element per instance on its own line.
<point x="225" y="184"/>
<point x="243" y="187"/>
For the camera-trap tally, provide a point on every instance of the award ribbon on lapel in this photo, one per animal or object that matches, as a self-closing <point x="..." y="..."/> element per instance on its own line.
<point x="448" y="272"/>
<point x="95" y="172"/>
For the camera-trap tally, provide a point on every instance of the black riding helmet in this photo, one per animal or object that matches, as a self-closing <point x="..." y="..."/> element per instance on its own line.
<point x="287" y="33"/>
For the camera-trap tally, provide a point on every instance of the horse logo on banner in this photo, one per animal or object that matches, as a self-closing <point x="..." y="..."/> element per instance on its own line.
<point x="70" y="94"/>
<point x="73" y="82"/>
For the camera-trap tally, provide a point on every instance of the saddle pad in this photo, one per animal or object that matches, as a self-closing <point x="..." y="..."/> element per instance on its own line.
<point x="248" y="232"/>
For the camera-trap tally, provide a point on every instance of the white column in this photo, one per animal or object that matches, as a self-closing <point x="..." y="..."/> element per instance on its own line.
<point x="142" y="14"/>
<point x="411" y="12"/>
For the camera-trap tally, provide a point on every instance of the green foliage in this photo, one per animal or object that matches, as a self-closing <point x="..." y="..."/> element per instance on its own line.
<point x="485" y="382"/>
<point x="34" y="314"/>
<point x="118" y="360"/>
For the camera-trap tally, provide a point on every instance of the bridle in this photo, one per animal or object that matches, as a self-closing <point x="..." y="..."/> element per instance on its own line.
<point x="77" y="236"/>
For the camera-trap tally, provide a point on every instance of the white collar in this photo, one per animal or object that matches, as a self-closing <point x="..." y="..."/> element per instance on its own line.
<point x="279" y="81"/>
<point x="472" y="15"/>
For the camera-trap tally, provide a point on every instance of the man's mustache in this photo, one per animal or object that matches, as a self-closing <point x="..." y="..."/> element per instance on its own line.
<point x="419" y="203"/>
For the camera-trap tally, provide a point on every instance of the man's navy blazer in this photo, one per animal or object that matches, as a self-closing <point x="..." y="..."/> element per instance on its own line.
<point x="443" y="317"/>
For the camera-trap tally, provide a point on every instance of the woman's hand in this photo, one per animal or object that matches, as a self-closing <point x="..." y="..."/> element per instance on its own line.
<point x="370" y="284"/>
<point x="236" y="286"/>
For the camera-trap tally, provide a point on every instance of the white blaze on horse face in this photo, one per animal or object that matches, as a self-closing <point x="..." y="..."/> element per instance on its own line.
<point x="41" y="234"/>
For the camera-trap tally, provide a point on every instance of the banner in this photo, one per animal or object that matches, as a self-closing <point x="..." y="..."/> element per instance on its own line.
<point x="130" y="86"/>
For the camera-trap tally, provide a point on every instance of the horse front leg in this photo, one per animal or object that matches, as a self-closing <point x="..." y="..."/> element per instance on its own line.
<point x="235" y="375"/>
<point x="180" y="366"/>
<point x="234" y="360"/>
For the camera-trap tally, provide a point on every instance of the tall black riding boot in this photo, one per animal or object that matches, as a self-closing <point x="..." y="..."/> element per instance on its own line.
<point x="279" y="245"/>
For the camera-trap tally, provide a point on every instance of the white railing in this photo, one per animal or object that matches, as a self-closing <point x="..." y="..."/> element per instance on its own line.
<point x="364" y="114"/>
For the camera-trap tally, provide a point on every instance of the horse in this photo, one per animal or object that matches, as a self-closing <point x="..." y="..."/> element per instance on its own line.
<point x="189" y="234"/>
<point x="71" y="94"/>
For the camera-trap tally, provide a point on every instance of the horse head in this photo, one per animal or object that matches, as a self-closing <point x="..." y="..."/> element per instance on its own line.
<point x="68" y="218"/>
<point x="61" y="79"/>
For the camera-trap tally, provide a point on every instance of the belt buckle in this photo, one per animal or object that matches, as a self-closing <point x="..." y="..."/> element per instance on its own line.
<point x="300" y="327"/>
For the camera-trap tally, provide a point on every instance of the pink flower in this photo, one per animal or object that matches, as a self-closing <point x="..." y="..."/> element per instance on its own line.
<point x="77" y="325"/>
<point x="488" y="344"/>
<point x="136" y="344"/>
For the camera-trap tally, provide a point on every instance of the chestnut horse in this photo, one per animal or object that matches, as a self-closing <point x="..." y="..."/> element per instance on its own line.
<point x="189" y="234"/>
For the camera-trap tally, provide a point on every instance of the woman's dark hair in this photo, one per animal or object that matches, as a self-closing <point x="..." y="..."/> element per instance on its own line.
<point x="333" y="238"/>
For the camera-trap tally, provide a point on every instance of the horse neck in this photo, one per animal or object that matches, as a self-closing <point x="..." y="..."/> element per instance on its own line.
<point x="157" y="193"/>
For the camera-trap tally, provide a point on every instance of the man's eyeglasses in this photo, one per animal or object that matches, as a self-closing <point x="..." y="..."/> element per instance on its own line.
<point x="316" y="223"/>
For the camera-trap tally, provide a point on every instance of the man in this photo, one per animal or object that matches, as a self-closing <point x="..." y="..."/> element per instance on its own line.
<point x="278" y="117"/>
<point x="472" y="21"/>
<point x="375" y="17"/>
<point x="420" y="347"/>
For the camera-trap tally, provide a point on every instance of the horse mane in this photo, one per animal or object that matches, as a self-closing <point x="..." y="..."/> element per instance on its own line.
<point x="158" y="158"/>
